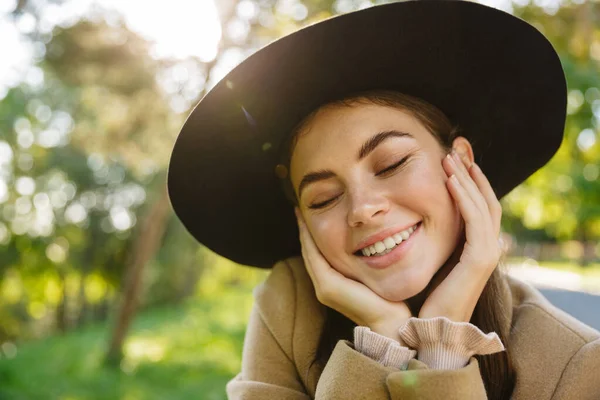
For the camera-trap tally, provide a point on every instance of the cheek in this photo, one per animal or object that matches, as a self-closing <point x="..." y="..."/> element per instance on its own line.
<point x="424" y="188"/>
<point x="425" y="193"/>
<point x="440" y="210"/>
<point x="327" y="234"/>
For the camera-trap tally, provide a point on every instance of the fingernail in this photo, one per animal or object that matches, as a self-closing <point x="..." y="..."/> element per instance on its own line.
<point x="461" y="160"/>
<point x="456" y="156"/>
<point x="453" y="162"/>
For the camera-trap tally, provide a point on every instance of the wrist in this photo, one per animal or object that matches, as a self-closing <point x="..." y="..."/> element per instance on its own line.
<point x="390" y="330"/>
<point x="382" y="349"/>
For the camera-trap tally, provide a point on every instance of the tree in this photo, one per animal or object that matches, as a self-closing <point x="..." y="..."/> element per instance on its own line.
<point x="562" y="200"/>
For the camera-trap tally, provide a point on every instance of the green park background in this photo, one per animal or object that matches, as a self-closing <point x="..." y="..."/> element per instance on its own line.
<point x="103" y="294"/>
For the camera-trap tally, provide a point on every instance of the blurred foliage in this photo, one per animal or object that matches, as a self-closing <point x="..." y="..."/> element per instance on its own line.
<point x="173" y="352"/>
<point x="84" y="152"/>
<point x="562" y="200"/>
<point x="84" y="146"/>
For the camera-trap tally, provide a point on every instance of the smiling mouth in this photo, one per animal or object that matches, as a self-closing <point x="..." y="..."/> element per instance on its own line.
<point x="388" y="244"/>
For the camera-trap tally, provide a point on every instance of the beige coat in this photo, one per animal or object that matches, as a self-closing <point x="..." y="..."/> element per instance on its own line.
<point x="554" y="355"/>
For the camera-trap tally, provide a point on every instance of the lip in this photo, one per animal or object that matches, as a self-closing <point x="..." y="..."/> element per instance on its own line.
<point x="380" y="236"/>
<point x="382" y="262"/>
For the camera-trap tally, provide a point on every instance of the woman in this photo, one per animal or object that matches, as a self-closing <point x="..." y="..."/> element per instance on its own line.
<point x="393" y="131"/>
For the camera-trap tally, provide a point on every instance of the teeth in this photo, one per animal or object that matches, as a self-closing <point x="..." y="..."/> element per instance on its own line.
<point x="387" y="244"/>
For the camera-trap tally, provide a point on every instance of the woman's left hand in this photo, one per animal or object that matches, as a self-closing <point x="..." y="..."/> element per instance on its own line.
<point x="456" y="296"/>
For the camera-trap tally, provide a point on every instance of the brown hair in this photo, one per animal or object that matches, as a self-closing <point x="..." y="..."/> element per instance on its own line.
<point x="490" y="312"/>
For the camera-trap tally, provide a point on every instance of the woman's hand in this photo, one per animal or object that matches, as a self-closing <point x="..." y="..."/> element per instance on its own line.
<point x="456" y="296"/>
<point x="349" y="297"/>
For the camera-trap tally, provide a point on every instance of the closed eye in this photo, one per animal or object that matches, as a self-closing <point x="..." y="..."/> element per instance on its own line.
<point x="392" y="167"/>
<point x="385" y="171"/>
<point x="322" y="204"/>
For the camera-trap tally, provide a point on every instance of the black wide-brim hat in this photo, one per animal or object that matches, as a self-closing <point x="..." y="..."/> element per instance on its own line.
<point x="491" y="73"/>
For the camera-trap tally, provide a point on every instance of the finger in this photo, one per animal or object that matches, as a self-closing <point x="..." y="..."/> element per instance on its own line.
<point x="480" y="232"/>
<point x="331" y="287"/>
<point x="488" y="194"/>
<point x="459" y="170"/>
<point x="467" y="181"/>
<point x="464" y="159"/>
<point x="470" y="212"/>
<point x="305" y="245"/>
<point x="317" y="266"/>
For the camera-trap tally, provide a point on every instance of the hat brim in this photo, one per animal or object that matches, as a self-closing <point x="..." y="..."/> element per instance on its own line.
<point x="491" y="73"/>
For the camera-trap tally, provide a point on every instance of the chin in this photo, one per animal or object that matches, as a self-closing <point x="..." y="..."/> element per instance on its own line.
<point x="402" y="287"/>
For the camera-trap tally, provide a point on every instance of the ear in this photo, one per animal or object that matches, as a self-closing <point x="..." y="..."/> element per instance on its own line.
<point x="463" y="148"/>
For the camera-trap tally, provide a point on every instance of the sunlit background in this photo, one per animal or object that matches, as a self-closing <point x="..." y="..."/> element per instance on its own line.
<point x="103" y="294"/>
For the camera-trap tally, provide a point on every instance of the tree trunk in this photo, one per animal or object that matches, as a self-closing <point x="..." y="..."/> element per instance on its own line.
<point x="152" y="230"/>
<point x="145" y="246"/>
<point x="193" y="273"/>
<point x="82" y="301"/>
<point x="61" y="314"/>
<point x="85" y="269"/>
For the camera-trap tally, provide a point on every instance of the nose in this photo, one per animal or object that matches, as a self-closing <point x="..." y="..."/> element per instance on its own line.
<point x="366" y="206"/>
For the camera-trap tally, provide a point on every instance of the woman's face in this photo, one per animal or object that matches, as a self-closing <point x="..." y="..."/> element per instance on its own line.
<point x="366" y="173"/>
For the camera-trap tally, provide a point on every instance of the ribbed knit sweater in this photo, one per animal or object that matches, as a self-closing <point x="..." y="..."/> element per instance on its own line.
<point x="438" y="342"/>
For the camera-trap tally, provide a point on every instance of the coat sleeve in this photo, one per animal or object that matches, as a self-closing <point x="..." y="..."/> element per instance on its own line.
<point x="267" y="371"/>
<point x="350" y="374"/>
<point x="268" y="368"/>
<point x="581" y="378"/>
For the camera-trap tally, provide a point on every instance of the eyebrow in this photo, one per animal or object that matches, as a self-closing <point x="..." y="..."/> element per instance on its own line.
<point x="366" y="149"/>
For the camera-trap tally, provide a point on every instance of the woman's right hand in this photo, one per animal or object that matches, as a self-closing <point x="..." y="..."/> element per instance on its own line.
<point x="349" y="297"/>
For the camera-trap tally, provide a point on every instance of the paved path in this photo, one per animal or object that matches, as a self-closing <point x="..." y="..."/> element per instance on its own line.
<point x="583" y="306"/>
<point x="566" y="290"/>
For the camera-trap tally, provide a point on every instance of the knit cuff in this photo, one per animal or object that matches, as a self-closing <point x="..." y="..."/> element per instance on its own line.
<point x="382" y="349"/>
<point x="445" y="344"/>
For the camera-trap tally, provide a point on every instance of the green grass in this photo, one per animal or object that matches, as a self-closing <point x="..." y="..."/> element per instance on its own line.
<point x="179" y="352"/>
